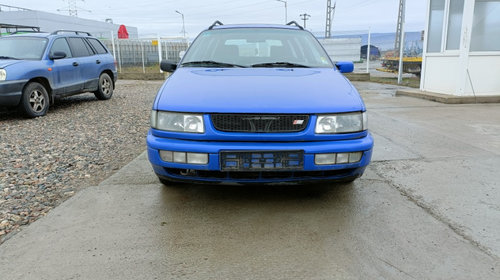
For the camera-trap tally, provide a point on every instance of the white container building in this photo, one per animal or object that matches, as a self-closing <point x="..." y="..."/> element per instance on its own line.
<point x="462" y="48"/>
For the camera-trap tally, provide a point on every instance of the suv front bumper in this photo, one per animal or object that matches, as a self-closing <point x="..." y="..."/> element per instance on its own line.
<point x="11" y="92"/>
<point x="212" y="172"/>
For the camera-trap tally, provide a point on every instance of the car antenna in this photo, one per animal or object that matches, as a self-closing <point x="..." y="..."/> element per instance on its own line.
<point x="215" y="24"/>
<point x="293" y="22"/>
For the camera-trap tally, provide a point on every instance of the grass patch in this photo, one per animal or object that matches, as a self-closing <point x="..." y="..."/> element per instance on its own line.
<point x="413" y="82"/>
<point x="138" y="69"/>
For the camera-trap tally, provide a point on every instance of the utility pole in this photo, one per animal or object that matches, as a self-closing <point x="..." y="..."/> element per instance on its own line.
<point x="399" y="26"/>
<point x="330" y="12"/>
<point x="400" y="37"/>
<point x="183" y="26"/>
<point x="286" y="9"/>
<point x="305" y="17"/>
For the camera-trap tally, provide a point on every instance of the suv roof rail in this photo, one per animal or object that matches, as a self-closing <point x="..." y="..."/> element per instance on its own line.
<point x="215" y="24"/>
<point x="73" y="31"/>
<point x="293" y="22"/>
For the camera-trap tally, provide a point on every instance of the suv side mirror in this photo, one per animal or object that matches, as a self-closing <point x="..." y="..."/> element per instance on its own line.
<point x="345" y="66"/>
<point x="57" y="55"/>
<point x="168" y="65"/>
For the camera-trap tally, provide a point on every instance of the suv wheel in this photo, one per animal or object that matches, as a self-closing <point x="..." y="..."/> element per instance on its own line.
<point x="105" y="89"/>
<point x="35" y="100"/>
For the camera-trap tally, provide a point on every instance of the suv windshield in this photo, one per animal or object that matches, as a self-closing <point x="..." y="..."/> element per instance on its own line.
<point x="30" y="48"/>
<point x="256" y="47"/>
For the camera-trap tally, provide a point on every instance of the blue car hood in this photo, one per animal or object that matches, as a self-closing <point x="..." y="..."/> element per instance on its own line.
<point x="258" y="90"/>
<point x="6" y="62"/>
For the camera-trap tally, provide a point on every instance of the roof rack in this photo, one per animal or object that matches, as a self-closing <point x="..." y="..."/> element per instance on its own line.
<point x="12" y="28"/>
<point x="293" y="22"/>
<point x="215" y="24"/>
<point x="73" y="31"/>
<point x="25" y="31"/>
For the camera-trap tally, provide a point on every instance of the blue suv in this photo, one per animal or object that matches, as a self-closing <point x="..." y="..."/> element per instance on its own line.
<point x="258" y="104"/>
<point x="35" y="68"/>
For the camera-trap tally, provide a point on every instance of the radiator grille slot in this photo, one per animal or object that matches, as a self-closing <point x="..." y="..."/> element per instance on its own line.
<point x="267" y="123"/>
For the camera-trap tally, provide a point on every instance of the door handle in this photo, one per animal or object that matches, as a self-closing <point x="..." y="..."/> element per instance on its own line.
<point x="98" y="61"/>
<point x="75" y="63"/>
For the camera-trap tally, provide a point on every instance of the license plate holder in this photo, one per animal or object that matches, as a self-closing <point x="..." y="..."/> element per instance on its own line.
<point x="261" y="160"/>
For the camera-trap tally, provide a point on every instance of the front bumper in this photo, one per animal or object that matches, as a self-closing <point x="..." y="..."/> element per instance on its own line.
<point x="11" y="92"/>
<point x="211" y="172"/>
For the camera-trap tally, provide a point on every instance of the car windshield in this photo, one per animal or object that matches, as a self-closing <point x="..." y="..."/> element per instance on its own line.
<point x="30" y="48"/>
<point x="256" y="47"/>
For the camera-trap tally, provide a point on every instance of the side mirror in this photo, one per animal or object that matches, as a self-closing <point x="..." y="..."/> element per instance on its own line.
<point x="181" y="54"/>
<point x="168" y="65"/>
<point x="345" y="66"/>
<point x="57" y="55"/>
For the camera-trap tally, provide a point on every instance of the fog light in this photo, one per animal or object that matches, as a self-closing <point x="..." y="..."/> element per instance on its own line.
<point x="342" y="158"/>
<point x="197" y="158"/>
<point x="180" y="157"/>
<point x="322" y="159"/>
<point x="355" y="157"/>
<point x="167" y="156"/>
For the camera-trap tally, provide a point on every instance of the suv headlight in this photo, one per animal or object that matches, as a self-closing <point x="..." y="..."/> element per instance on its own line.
<point x="341" y="123"/>
<point x="3" y="74"/>
<point x="178" y="122"/>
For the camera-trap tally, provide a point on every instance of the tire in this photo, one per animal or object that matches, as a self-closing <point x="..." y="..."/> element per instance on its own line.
<point x="165" y="181"/>
<point x="169" y="183"/>
<point x="35" y="100"/>
<point x="105" y="88"/>
<point x="348" y="180"/>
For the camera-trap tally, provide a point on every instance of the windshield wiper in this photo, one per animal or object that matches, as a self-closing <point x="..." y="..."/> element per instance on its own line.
<point x="211" y="63"/>
<point x="280" y="64"/>
<point x="8" y="57"/>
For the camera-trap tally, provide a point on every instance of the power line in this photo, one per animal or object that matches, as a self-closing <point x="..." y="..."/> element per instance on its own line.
<point x="72" y="9"/>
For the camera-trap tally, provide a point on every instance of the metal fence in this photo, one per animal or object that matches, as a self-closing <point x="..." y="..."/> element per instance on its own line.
<point x="144" y="55"/>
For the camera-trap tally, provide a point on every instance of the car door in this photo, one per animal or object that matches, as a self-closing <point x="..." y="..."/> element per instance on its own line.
<point x="85" y="64"/>
<point x="102" y="58"/>
<point x="92" y="67"/>
<point x="65" y="73"/>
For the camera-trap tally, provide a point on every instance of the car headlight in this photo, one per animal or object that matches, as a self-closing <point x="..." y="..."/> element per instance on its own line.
<point x="341" y="123"/>
<point x="178" y="122"/>
<point x="3" y="74"/>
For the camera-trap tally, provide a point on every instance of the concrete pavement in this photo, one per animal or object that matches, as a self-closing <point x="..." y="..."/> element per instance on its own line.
<point x="427" y="208"/>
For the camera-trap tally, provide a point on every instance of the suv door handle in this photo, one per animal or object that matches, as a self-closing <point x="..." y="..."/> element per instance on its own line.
<point x="75" y="63"/>
<point x="98" y="61"/>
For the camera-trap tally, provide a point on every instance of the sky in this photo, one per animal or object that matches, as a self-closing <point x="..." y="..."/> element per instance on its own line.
<point x="158" y="17"/>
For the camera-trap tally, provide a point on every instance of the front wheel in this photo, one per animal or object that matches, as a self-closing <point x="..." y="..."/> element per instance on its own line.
<point x="105" y="88"/>
<point x="170" y="183"/>
<point x="35" y="100"/>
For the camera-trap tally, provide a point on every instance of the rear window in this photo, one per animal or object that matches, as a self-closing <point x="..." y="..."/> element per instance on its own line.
<point x="100" y="49"/>
<point x="79" y="47"/>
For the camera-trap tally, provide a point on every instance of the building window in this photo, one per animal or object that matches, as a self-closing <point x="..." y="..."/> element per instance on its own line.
<point x="486" y="26"/>
<point x="454" y="25"/>
<point x="436" y="20"/>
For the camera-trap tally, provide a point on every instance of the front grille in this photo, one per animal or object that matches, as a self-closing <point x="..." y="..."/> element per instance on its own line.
<point x="258" y="123"/>
<point x="261" y="160"/>
<point x="258" y="175"/>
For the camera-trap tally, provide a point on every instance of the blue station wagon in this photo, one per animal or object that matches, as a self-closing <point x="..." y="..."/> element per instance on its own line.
<point x="258" y="104"/>
<point x="35" y="68"/>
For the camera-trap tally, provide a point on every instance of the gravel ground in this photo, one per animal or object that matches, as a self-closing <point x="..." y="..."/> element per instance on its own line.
<point x="79" y="143"/>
